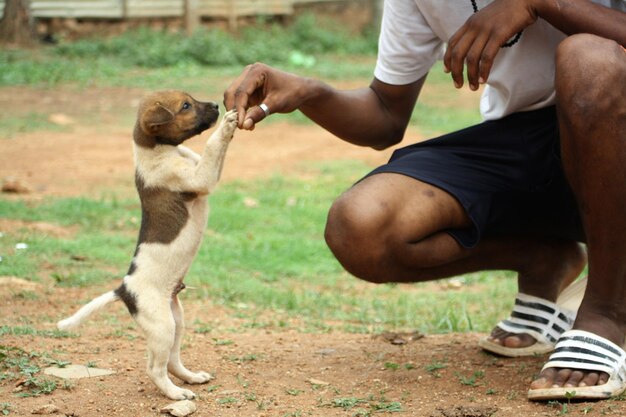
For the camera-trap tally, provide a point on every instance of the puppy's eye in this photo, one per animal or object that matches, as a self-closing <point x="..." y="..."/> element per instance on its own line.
<point x="186" y="106"/>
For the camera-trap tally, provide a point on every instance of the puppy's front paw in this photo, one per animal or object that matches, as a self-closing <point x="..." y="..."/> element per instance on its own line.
<point x="229" y="123"/>
<point x="178" y="393"/>
<point x="198" y="378"/>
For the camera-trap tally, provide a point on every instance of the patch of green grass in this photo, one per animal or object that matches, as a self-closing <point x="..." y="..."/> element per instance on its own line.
<point x="432" y="119"/>
<point x="392" y="366"/>
<point x="81" y="259"/>
<point x="386" y="407"/>
<point x="433" y="368"/>
<point x="103" y="60"/>
<point x="16" y="363"/>
<point x="471" y="380"/>
<point x="270" y="257"/>
<point x="348" y="403"/>
<point x="365" y="406"/>
<point x="227" y="400"/>
<point x="43" y="67"/>
<point x="29" y="331"/>
<point x="222" y="342"/>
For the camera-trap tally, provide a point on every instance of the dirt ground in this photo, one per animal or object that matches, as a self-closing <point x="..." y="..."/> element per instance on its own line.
<point x="259" y="372"/>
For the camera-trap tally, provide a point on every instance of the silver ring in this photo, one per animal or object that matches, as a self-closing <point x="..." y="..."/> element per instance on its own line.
<point x="265" y="109"/>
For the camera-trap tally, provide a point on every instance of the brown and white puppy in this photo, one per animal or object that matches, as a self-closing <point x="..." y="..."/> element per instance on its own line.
<point x="173" y="183"/>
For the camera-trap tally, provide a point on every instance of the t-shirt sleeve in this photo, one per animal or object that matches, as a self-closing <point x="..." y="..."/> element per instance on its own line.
<point x="407" y="47"/>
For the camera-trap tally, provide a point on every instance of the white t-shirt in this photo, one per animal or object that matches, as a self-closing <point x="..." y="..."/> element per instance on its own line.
<point x="414" y="33"/>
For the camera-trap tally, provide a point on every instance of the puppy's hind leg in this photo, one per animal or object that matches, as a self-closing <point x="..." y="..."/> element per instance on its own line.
<point x="160" y="327"/>
<point x="175" y="366"/>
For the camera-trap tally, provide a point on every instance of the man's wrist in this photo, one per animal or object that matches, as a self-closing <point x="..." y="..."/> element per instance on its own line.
<point x="311" y="92"/>
<point x="541" y="8"/>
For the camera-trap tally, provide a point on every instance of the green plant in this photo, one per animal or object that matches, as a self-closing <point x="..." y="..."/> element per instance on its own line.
<point x="471" y="380"/>
<point x="222" y="342"/>
<point x="227" y="400"/>
<point x="433" y="367"/>
<point x="245" y="358"/>
<point x="391" y="365"/>
<point x="37" y="386"/>
<point x="386" y="407"/>
<point x="58" y="363"/>
<point x="563" y="407"/>
<point x="24" y="366"/>
<point x="5" y="408"/>
<point x="212" y="388"/>
<point x="347" y="403"/>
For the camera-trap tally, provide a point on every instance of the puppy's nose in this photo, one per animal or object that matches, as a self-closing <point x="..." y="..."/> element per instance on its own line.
<point x="214" y="106"/>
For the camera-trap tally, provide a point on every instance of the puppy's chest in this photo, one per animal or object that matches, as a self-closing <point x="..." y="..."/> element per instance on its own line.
<point x="173" y="215"/>
<point x="169" y="216"/>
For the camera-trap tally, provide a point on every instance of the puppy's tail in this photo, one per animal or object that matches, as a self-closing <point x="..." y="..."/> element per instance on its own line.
<point x="87" y="310"/>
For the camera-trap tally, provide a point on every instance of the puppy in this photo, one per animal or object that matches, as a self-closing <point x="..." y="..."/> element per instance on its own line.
<point x="173" y="183"/>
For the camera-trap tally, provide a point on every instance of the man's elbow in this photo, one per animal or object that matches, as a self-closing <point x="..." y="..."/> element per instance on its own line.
<point x="388" y="142"/>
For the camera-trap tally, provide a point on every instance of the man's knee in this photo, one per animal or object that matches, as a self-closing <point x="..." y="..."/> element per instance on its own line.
<point x="355" y="234"/>
<point x="589" y="70"/>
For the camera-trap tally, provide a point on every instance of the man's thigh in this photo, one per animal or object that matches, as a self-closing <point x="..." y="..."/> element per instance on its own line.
<point x="409" y="208"/>
<point x="481" y="170"/>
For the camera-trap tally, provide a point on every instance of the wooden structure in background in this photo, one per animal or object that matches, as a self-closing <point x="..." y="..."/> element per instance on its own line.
<point x="191" y="10"/>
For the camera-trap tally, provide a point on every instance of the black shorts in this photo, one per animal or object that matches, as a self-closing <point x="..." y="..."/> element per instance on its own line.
<point x="506" y="173"/>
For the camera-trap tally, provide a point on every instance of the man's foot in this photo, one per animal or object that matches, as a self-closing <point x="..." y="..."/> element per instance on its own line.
<point x="568" y="378"/>
<point x="562" y="262"/>
<point x="584" y="366"/>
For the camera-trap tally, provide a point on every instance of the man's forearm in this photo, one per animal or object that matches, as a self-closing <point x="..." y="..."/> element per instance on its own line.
<point x="375" y="116"/>
<point x="583" y="16"/>
<point x="355" y="116"/>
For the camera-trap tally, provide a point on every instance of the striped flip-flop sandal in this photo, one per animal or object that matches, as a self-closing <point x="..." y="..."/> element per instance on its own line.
<point x="544" y="320"/>
<point x="581" y="350"/>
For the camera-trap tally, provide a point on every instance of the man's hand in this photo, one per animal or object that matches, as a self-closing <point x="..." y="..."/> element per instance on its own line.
<point x="280" y="91"/>
<point x="477" y="42"/>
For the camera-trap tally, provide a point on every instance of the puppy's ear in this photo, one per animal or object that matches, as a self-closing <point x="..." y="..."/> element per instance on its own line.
<point x="157" y="115"/>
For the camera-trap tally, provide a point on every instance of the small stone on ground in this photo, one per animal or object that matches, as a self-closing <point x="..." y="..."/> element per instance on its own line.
<point x="76" y="372"/>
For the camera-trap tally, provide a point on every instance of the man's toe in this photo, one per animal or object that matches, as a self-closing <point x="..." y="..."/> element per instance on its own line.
<point x="545" y="379"/>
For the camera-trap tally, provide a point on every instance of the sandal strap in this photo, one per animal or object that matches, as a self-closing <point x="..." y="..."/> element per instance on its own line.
<point x="540" y="318"/>
<point x="579" y="349"/>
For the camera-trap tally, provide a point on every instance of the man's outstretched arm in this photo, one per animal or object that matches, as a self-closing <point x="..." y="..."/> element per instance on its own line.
<point x="374" y="116"/>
